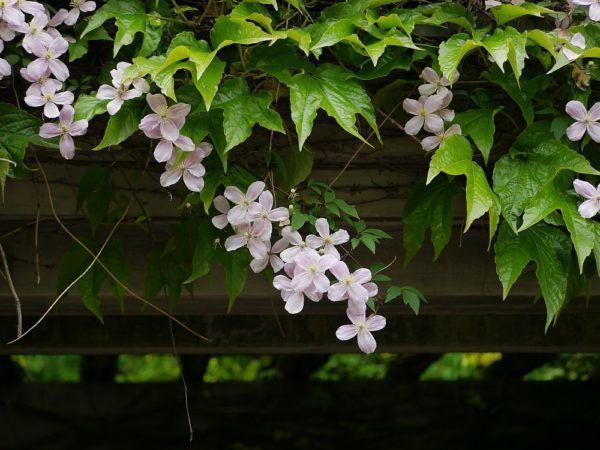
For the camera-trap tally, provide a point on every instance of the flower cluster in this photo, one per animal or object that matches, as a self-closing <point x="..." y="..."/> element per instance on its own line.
<point x="42" y="40"/>
<point x="592" y="8"/>
<point x="431" y="110"/>
<point x="312" y="265"/>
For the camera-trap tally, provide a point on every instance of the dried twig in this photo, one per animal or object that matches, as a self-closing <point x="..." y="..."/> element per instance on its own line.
<point x="13" y="292"/>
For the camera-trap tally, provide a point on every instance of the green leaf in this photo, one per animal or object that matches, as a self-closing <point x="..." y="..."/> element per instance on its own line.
<point x="449" y="13"/>
<point x="88" y="106"/>
<point x="508" y="12"/>
<point x="229" y="30"/>
<point x="478" y="124"/>
<point x="549" y="248"/>
<point x="242" y="110"/>
<point x="123" y="124"/>
<point x="335" y="90"/>
<point x="235" y="265"/>
<point x="552" y="197"/>
<point x="393" y="58"/>
<point x="519" y="175"/>
<point x="5" y="165"/>
<point x="204" y="251"/>
<point x="507" y="45"/>
<point x="110" y="10"/>
<point x="428" y="206"/>
<point x="453" y="51"/>
<point x="454" y="157"/>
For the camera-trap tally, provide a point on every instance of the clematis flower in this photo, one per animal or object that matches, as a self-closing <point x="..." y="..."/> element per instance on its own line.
<point x="435" y="84"/>
<point x="5" y="69"/>
<point x="240" y="213"/>
<point x="190" y="168"/>
<point x="58" y="18"/>
<point x="263" y="211"/>
<point x="491" y="3"/>
<point x="10" y="13"/>
<point x="326" y="239"/>
<point x="39" y="82"/>
<point x="361" y="327"/>
<point x="222" y="205"/>
<point x="65" y="128"/>
<point x="29" y="7"/>
<point x="593" y="8"/>
<point x="270" y="256"/>
<point x="118" y="78"/>
<point x="433" y="142"/>
<point x="117" y="97"/>
<point x="250" y="236"/>
<point x="49" y="99"/>
<point x="48" y="59"/>
<point x="294" y="300"/>
<point x="76" y="7"/>
<point x="425" y="114"/>
<point x="298" y="245"/>
<point x="310" y="271"/>
<point x="447" y="114"/>
<point x="356" y="287"/>
<point x="166" y="120"/>
<point x="578" y="40"/>
<point x="34" y="31"/>
<point x="590" y="207"/>
<point x="6" y="32"/>
<point x="585" y="121"/>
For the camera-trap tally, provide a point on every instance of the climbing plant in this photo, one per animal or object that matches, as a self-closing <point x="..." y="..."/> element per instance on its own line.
<point x="500" y="95"/>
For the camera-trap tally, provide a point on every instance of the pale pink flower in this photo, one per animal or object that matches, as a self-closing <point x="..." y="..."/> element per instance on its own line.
<point x="49" y="99"/>
<point x="77" y="6"/>
<point x="433" y="142"/>
<point x="593" y="8"/>
<point x="492" y="3"/>
<point x="222" y="205"/>
<point x="190" y="168"/>
<point x="585" y="121"/>
<point x="34" y="31"/>
<point x="6" y="31"/>
<point x="294" y="299"/>
<point x="250" y="236"/>
<point x="270" y="256"/>
<point x="164" y="149"/>
<point x="446" y="114"/>
<point x="356" y="287"/>
<point x="361" y="328"/>
<point x="590" y="207"/>
<point x="435" y="84"/>
<point x="118" y="79"/>
<point x="29" y="7"/>
<point x="578" y="40"/>
<point x="298" y="245"/>
<point x="10" y="13"/>
<point x="309" y="274"/>
<point x="326" y="239"/>
<point x="117" y="97"/>
<point x="240" y="213"/>
<point x="58" y="18"/>
<point x="263" y="211"/>
<point x="425" y="114"/>
<point x="65" y="128"/>
<point x="5" y="69"/>
<point x="39" y="82"/>
<point x="48" y="59"/>
<point x="166" y="120"/>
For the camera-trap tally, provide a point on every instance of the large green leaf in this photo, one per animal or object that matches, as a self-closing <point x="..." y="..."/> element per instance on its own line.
<point x="519" y="175"/>
<point x="553" y="196"/>
<point x="549" y="248"/>
<point x="454" y="157"/>
<point x="453" y="51"/>
<point x="507" y="45"/>
<point x="123" y="124"/>
<point x="88" y="106"/>
<point x="337" y="92"/>
<point x="428" y="206"/>
<point x="508" y="12"/>
<point x="235" y="265"/>
<point x="242" y="110"/>
<point x="478" y="124"/>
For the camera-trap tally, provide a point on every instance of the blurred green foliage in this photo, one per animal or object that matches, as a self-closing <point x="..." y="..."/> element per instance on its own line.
<point x="339" y="367"/>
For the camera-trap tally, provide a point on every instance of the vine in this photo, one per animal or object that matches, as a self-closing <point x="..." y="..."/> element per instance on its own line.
<point x="198" y="79"/>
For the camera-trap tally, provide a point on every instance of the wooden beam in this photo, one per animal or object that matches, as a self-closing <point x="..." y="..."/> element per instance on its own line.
<point x="275" y="416"/>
